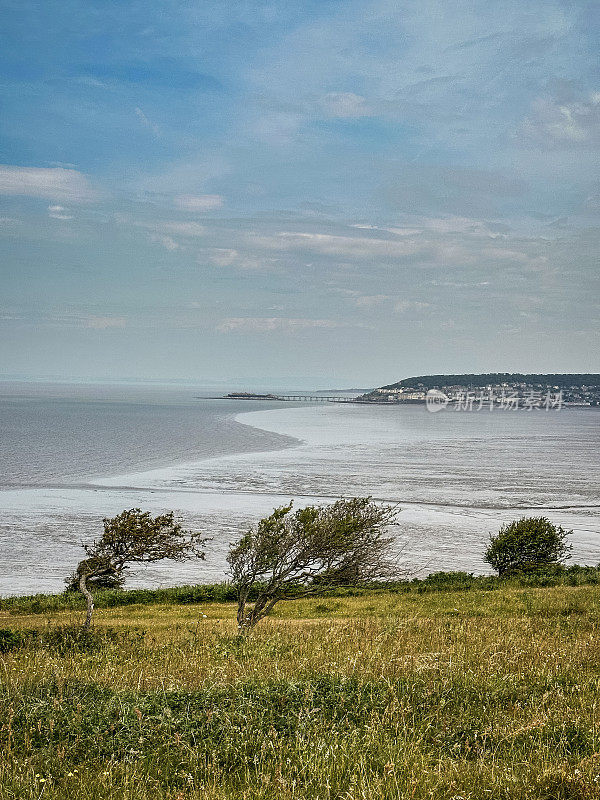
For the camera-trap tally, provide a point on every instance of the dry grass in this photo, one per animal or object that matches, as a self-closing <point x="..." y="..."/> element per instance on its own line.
<point x="440" y="695"/>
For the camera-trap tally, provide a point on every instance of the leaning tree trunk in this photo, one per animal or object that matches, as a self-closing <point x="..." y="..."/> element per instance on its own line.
<point x="88" y="599"/>
<point x="248" y="619"/>
<point x="242" y="616"/>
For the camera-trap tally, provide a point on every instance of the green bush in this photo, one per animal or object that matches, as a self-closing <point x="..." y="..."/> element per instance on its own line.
<point x="526" y="545"/>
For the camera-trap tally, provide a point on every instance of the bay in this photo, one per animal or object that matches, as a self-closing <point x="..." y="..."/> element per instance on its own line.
<point x="73" y="455"/>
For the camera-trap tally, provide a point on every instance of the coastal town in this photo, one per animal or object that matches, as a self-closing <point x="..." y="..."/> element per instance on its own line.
<point x="493" y="390"/>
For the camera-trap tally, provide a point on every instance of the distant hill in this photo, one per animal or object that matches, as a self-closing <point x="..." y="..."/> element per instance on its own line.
<point x="561" y="380"/>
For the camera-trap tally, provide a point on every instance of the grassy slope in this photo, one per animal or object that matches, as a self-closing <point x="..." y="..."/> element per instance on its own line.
<point x="436" y="695"/>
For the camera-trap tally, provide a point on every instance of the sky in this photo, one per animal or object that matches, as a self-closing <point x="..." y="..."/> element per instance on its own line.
<point x="313" y="194"/>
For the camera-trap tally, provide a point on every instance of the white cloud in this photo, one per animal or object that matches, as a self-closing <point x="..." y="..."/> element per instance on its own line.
<point x="162" y="233"/>
<point x="166" y="241"/>
<point x="563" y="124"/>
<point x="354" y="247"/>
<point x="345" y="105"/>
<point x="224" y="257"/>
<point x="182" y="228"/>
<point x="58" y="212"/>
<point x="531" y="261"/>
<point x="147" y="123"/>
<point x="445" y="224"/>
<point x="370" y="300"/>
<point x="46" y="183"/>
<point x="227" y="257"/>
<point x="200" y="203"/>
<point x="403" y="231"/>
<point x="402" y="306"/>
<point x="79" y="320"/>
<point x="270" y="324"/>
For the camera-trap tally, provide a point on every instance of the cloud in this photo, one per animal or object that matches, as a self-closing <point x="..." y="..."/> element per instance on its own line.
<point x="366" y="301"/>
<point x="460" y="284"/>
<point x="276" y="128"/>
<point x="228" y="257"/>
<point x="163" y="232"/>
<point x="46" y="183"/>
<point x="57" y="212"/>
<point x="446" y="241"/>
<point x="224" y="257"/>
<point x="345" y="105"/>
<point x="402" y="306"/>
<point x="568" y="124"/>
<point x="200" y="203"/>
<point x="454" y="76"/>
<point x="77" y="319"/>
<point x="370" y="300"/>
<point x="166" y="241"/>
<point x="147" y="123"/>
<point x="158" y="228"/>
<point x="102" y="323"/>
<point x="182" y="228"/>
<point x="347" y="247"/>
<point x="448" y="224"/>
<point x="270" y="324"/>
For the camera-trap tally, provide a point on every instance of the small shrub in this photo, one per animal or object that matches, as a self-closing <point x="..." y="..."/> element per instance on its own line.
<point x="527" y="544"/>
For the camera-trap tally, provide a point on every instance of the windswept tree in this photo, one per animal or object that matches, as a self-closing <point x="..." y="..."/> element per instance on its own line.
<point x="290" y="555"/>
<point x="132" y="537"/>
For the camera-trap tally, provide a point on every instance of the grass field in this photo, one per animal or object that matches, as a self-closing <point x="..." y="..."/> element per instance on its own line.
<point x="448" y="694"/>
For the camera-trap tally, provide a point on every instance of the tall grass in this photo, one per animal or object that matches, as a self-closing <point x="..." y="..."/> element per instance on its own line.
<point x="471" y="694"/>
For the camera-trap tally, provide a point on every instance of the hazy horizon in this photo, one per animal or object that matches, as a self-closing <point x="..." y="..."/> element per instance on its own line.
<point x="256" y="383"/>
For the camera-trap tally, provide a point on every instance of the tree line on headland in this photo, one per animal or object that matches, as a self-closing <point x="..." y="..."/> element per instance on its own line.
<point x="481" y="380"/>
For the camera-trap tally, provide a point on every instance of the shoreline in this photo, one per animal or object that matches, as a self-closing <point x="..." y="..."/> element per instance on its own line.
<point x="223" y="494"/>
<point x="100" y="487"/>
<point x="109" y="481"/>
<point x="428" y="531"/>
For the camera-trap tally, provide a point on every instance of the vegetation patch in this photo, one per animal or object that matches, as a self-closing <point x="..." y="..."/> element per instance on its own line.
<point x="226" y="593"/>
<point x="322" y="729"/>
<point x="65" y="639"/>
<point x="389" y="698"/>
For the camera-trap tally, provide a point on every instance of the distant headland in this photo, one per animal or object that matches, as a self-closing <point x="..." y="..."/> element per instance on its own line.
<point x="575" y="389"/>
<point x="582" y="389"/>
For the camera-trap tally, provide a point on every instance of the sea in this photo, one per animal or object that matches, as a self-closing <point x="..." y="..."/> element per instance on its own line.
<point x="72" y="455"/>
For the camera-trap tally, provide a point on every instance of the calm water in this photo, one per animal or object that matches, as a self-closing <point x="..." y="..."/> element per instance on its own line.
<point x="74" y="455"/>
<point x="53" y="434"/>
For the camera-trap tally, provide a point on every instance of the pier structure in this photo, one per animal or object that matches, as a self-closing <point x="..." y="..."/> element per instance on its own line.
<point x="312" y="398"/>
<point x="291" y="398"/>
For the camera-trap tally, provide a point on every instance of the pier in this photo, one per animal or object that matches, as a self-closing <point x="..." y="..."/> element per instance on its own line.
<point x="315" y="398"/>
<point x="291" y="398"/>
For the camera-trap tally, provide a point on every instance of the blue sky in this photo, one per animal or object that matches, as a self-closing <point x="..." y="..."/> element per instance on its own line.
<point x="322" y="193"/>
